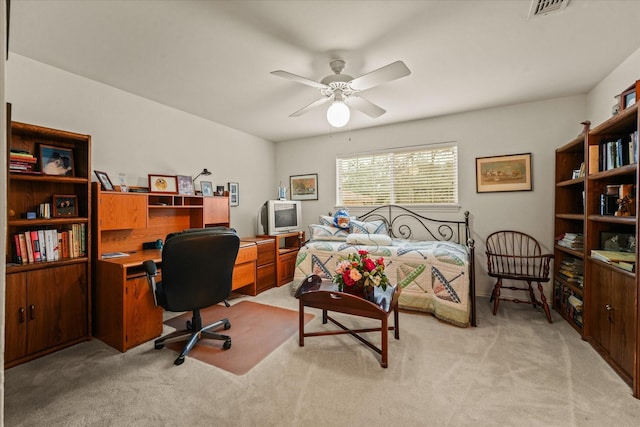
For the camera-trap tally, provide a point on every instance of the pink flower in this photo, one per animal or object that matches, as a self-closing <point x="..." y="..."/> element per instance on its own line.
<point x="380" y="261"/>
<point x="347" y="279"/>
<point x="362" y="252"/>
<point x="355" y="275"/>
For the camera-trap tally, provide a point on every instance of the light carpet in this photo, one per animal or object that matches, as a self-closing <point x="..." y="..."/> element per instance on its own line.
<point x="256" y="330"/>
<point x="515" y="369"/>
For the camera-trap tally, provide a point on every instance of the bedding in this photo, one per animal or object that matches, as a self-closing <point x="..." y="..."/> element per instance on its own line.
<point x="433" y="275"/>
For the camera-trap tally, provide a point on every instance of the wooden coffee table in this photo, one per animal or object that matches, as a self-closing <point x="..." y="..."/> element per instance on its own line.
<point x="323" y="294"/>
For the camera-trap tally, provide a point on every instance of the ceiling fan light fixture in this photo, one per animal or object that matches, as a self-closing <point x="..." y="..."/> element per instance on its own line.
<point x="338" y="114"/>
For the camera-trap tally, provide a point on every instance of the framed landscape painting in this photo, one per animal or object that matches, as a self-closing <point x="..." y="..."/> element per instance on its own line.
<point x="304" y="187"/>
<point x="503" y="173"/>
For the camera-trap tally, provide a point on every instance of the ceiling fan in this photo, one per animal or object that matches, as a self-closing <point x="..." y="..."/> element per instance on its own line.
<point x="344" y="90"/>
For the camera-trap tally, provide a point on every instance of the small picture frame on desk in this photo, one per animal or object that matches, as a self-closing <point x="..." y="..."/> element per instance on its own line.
<point x="219" y="190"/>
<point x="207" y="188"/>
<point x="185" y="185"/>
<point x="167" y="184"/>
<point x="105" y="182"/>
<point x="65" y="206"/>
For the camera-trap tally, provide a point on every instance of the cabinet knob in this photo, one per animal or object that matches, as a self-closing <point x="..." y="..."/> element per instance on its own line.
<point x="609" y="310"/>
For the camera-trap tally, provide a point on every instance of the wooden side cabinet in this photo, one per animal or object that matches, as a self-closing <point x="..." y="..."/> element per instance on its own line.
<point x="46" y="309"/>
<point x="287" y="246"/>
<point x="266" y="262"/>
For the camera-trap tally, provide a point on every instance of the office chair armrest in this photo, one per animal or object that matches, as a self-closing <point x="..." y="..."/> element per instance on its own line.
<point x="151" y="269"/>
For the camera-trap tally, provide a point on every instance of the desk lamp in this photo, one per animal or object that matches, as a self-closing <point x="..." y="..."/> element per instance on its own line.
<point x="204" y="172"/>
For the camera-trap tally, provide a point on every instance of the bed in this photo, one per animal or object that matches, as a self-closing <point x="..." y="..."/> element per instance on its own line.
<point x="430" y="259"/>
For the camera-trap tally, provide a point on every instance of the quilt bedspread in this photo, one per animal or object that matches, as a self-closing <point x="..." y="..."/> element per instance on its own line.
<point x="433" y="275"/>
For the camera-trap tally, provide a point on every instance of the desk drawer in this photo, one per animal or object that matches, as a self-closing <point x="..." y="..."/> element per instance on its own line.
<point x="246" y="253"/>
<point x="244" y="274"/>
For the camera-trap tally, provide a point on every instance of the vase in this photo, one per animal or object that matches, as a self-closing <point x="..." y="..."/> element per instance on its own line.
<point x="358" y="289"/>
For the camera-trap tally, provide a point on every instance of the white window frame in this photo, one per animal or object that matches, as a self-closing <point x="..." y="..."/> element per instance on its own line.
<point x="454" y="206"/>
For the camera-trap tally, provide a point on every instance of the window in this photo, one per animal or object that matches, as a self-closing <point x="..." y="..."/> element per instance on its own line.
<point x="425" y="175"/>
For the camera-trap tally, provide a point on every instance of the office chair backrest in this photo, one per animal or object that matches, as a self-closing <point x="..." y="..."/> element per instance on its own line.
<point x="197" y="268"/>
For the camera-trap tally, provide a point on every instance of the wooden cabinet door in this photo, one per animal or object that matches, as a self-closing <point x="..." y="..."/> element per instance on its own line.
<point x="622" y="320"/>
<point x="216" y="210"/>
<point x="143" y="319"/>
<point x="286" y="268"/>
<point x="56" y="306"/>
<point x="15" y="338"/>
<point x="598" y="319"/>
<point x="122" y="211"/>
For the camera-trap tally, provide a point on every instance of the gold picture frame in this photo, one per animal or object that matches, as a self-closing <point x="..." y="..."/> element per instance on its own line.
<point x="510" y="172"/>
<point x="304" y="187"/>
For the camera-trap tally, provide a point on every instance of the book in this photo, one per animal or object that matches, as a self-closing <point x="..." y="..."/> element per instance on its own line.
<point x="108" y="255"/>
<point x="29" y="244"/>
<point x="43" y="246"/>
<point x="35" y="243"/>
<point x="594" y="159"/>
<point x="23" y="248"/>
<point x="613" y="256"/>
<point x="18" y="253"/>
<point x="48" y="240"/>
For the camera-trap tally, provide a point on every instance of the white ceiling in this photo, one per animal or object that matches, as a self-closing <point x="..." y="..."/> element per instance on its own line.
<point x="214" y="58"/>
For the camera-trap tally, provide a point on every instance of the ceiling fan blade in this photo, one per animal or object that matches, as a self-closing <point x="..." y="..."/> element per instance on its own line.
<point x="367" y="107"/>
<point x="385" y="74"/>
<point x="296" y="78"/>
<point x="311" y="106"/>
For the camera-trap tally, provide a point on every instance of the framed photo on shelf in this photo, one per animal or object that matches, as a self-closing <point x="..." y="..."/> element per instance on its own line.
<point x="56" y="160"/>
<point x="65" y="206"/>
<point x="185" y="185"/>
<point x="234" y="193"/>
<point x="163" y="184"/>
<point x="219" y="190"/>
<point x="619" y="242"/>
<point x="207" y="188"/>
<point x="503" y="173"/>
<point x="304" y="187"/>
<point x="105" y="182"/>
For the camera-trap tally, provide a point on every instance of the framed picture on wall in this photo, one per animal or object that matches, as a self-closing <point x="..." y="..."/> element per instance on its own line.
<point x="234" y="194"/>
<point x="503" y="173"/>
<point x="304" y="187"/>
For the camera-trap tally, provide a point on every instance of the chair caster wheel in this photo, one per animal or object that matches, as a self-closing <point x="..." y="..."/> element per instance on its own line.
<point x="179" y="360"/>
<point x="158" y="346"/>
<point x="227" y="325"/>
<point x="226" y="345"/>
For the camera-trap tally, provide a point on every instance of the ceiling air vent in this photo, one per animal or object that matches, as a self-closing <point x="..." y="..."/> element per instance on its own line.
<point x="544" y="7"/>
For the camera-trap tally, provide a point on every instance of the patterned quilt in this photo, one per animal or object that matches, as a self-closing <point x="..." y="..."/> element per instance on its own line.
<point x="433" y="276"/>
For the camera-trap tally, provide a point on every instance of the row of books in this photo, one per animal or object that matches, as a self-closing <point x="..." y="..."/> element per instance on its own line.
<point x="614" y="153"/>
<point x="569" y="302"/>
<point x="50" y="244"/>
<point x="572" y="271"/>
<point x="623" y="260"/>
<point x="22" y="161"/>
<point x="571" y="240"/>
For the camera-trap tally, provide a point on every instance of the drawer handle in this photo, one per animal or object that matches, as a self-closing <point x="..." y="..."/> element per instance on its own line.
<point x="335" y="296"/>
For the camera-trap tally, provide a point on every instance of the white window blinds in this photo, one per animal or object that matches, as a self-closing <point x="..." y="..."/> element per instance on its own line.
<point x="417" y="176"/>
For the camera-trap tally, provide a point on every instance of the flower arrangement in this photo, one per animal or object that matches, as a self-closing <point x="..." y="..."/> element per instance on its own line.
<point x="359" y="270"/>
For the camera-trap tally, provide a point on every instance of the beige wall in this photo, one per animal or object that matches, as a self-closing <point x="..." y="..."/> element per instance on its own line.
<point x="136" y="136"/>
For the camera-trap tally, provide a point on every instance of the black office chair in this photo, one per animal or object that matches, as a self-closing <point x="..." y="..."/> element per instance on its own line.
<point x="197" y="269"/>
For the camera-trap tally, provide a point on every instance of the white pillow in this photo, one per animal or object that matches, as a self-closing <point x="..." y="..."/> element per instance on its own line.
<point x="369" y="239"/>
<point x="372" y="227"/>
<point x="327" y="232"/>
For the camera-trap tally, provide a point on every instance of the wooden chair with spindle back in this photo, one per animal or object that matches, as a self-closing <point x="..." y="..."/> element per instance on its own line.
<point x="514" y="255"/>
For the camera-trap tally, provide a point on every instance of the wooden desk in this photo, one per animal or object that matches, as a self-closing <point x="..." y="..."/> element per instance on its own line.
<point x="124" y="312"/>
